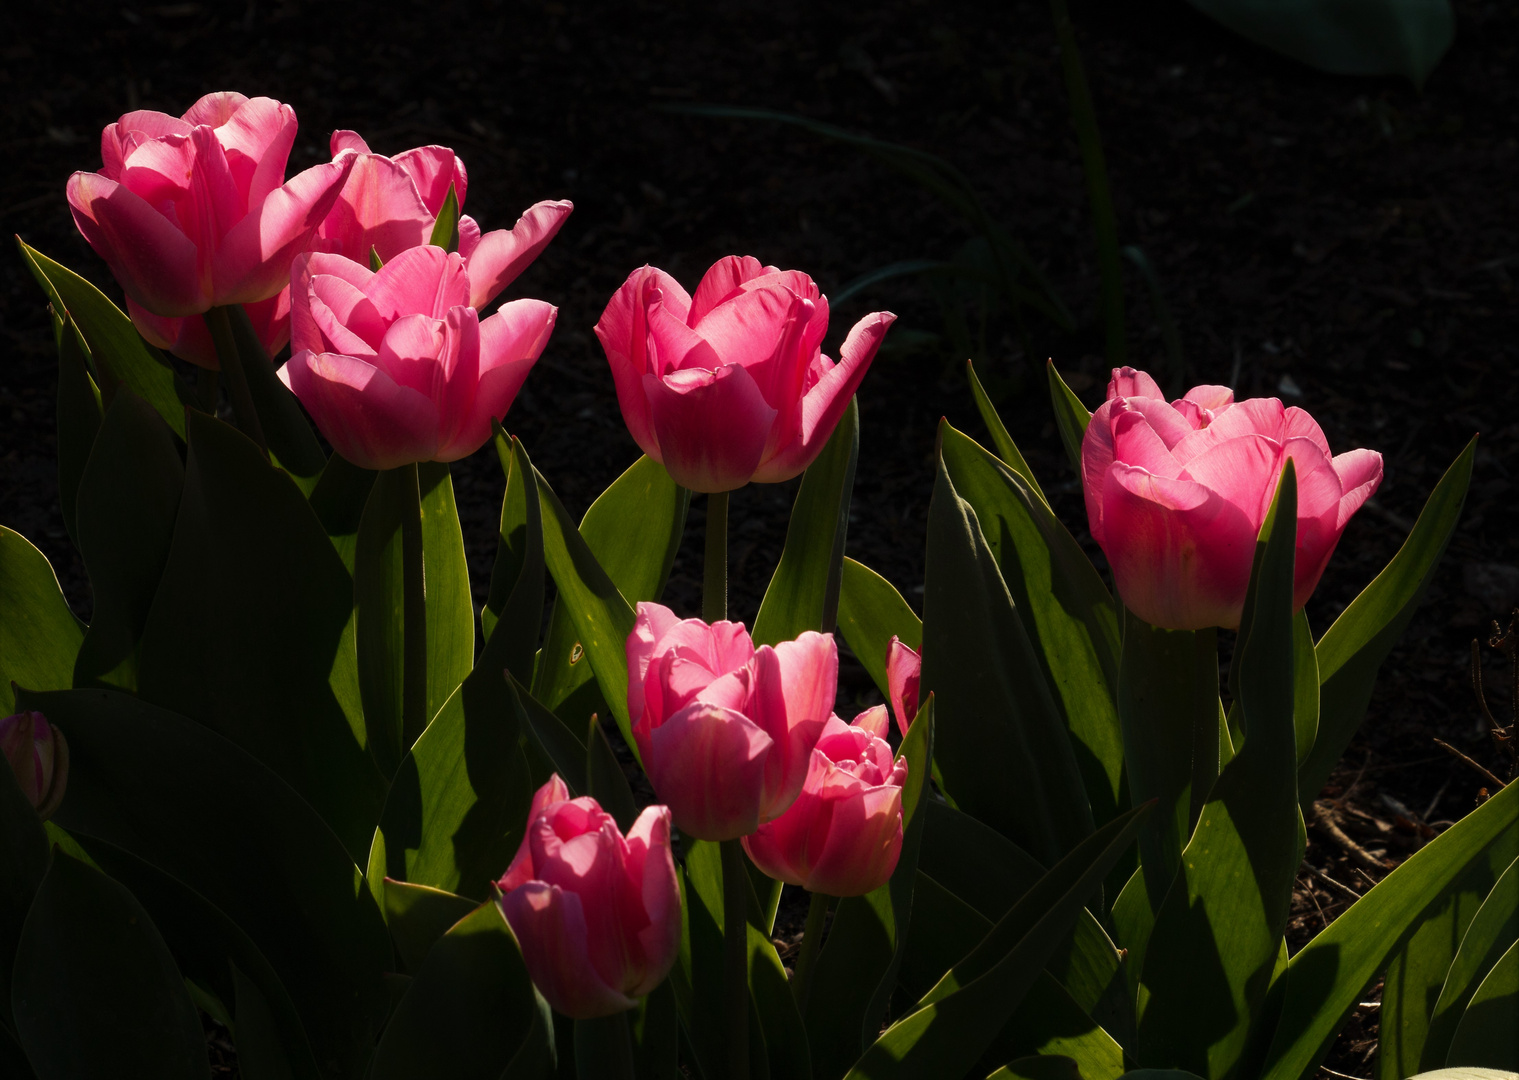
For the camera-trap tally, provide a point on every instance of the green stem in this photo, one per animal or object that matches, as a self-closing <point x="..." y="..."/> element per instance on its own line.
<point x="235" y="377"/>
<point x="812" y="942"/>
<point x="1104" y="220"/>
<point x="736" y="955"/>
<point x="714" y="593"/>
<point x="414" y="611"/>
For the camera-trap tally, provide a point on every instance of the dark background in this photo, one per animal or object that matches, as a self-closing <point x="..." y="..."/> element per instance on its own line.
<point x="1354" y="240"/>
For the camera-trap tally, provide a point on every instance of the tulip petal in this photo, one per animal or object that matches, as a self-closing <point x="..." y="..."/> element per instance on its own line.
<point x="432" y="169"/>
<point x="792" y="699"/>
<point x="159" y="170"/>
<point x="747" y="330"/>
<point x="304" y="331"/>
<point x="257" y="138"/>
<point x="501" y="256"/>
<point x="378" y="208"/>
<point x="874" y="721"/>
<point x="711" y="426"/>
<point x="1211" y="397"/>
<point x="721" y="282"/>
<point x="344" y="319"/>
<point x="1360" y="473"/>
<point x="459" y="366"/>
<point x="623" y="331"/>
<point x="1170" y="426"/>
<point x="862" y="843"/>
<point x="186" y="337"/>
<point x="1096" y="459"/>
<point x="550" y="926"/>
<point x="423" y="279"/>
<point x="1243" y="472"/>
<point x="653" y="621"/>
<point x="904" y="671"/>
<point x="510" y="343"/>
<point x="347" y="140"/>
<point x="520" y="871"/>
<point x="708" y="765"/>
<point x="1136" y="442"/>
<point x="650" y="868"/>
<point x="271" y="320"/>
<point x="254" y="259"/>
<point x="364" y="414"/>
<point x="1126" y="382"/>
<point x="469" y="236"/>
<point x="135" y="128"/>
<point x="1296" y="423"/>
<point x="215" y="108"/>
<point x="154" y="262"/>
<point x="826" y="401"/>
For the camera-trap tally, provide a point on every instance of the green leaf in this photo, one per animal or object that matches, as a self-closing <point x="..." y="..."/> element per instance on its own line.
<point x="79" y="416"/>
<point x="1490" y="931"/>
<point x="379" y="598"/>
<point x="1218" y="931"/>
<point x="1042" y="1067"/>
<point x="1326" y="977"/>
<point x="1159" y="1074"/>
<point x="1305" y="687"/>
<point x="1352" y="650"/>
<point x="856" y="972"/>
<point x="23" y="863"/>
<point x="203" y="811"/>
<point x="633" y="530"/>
<point x="1071" y="417"/>
<point x="283" y="603"/>
<point x="563" y="749"/>
<point x="1071" y="620"/>
<point x="260" y="1055"/>
<point x="419" y="915"/>
<point x="656" y="1035"/>
<point x="1419" y="970"/>
<point x="120" y="355"/>
<point x="1002" y="749"/>
<point x="697" y="978"/>
<point x="96" y="992"/>
<point x="338" y="501"/>
<point x="1168" y="705"/>
<point x="291" y="441"/>
<point x="1007" y="450"/>
<point x="1487" y="1036"/>
<point x="804" y="591"/>
<point x="1345" y="37"/>
<point x="445" y="229"/>
<point x="128" y="498"/>
<point x="450" y="609"/>
<point x="871" y="613"/>
<point x="459" y="802"/>
<point x="39" y="635"/>
<point x="470" y="1008"/>
<point x="958" y="1019"/>
<point x="604" y="779"/>
<point x="516" y="588"/>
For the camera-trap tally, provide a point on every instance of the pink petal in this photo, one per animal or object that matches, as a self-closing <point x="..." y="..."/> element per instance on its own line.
<point x="1096" y="459"/>
<point x="510" y="343"/>
<point x="1296" y="423"/>
<point x="521" y="870"/>
<point x="271" y="320"/>
<point x="874" y="721"/>
<point x="721" y="282"/>
<point x="469" y="236"/>
<point x="1243" y="472"/>
<point x="862" y="845"/>
<point x="412" y="353"/>
<point x="378" y="208"/>
<point x="159" y="169"/>
<point x="1168" y="424"/>
<point x="215" y="109"/>
<point x="748" y="328"/>
<point x="1128" y="382"/>
<point x="624" y="335"/>
<point x="708" y="765"/>
<point x="1207" y="396"/>
<point x="145" y="125"/>
<point x="825" y="403"/>
<point x="369" y="419"/>
<point x="347" y="140"/>
<point x="711" y="426"/>
<point x="550" y="927"/>
<point x="1136" y="442"/>
<point x="257" y="138"/>
<point x="213" y="204"/>
<point x="1318" y="484"/>
<point x="432" y="169"/>
<point x="460" y="369"/>
<point x="501" y="256"/>
<point x="422" y="280"/>
<point x="1360" y="473"/>
<point x="653" y="621"/>
<point x="186" y="337"/>
<point x="904" y="669"/>
<point x="794" y="687"/>
<point x="254" y="259"/>
<point x="344" y="319"/>
<point x="304" y="333"/>
<point x="154" y="262"/>
<point x="651" y="872"/>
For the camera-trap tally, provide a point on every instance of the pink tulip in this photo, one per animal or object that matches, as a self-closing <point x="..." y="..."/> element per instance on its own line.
<point x="597" y="915"/>
<point x="725" y="730"/>
<point x="38" y="755"/>
<point x="904" y="672"/>
<point x="192" y="213"/>
<point x="731" y="385"/>
<point x="1176" y="494"/>
<point x="843" y="834"/>
<point x="391" y="204"/>
<point x="397" y="366"/>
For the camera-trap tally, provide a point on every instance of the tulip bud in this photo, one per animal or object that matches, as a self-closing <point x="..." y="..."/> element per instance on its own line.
<point x="730" y="385"/>
<point x="597" y="915"/>
<point x="725" y="730"/>
<point x="39" y="757"/>
<point x="843" y="834"/>
<point x="904" y="671"/>
<point x="1176" y="493"/>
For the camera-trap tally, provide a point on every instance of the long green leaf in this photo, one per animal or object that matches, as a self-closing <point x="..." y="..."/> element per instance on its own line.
<point x="1070" y="618"/>
<point x="633" y="530"/>
<point x="1007" y="450"/>
<point x="269" y="665"/>
<point x="1352" y="650"/>
<point x="128" y="497"/>
<point x="39" y="635"/>
<point x="1218" y="931"/>
<point x="804" y="592"/>
<point x="1002" y="749"/>
<point x="338" y="501"/>
<point x="445" y="229"/>
<point x="1490" y="931"/>
<point x="562" y="749"/>
<point x="291" y="441"/>
<point x="604" y="779"/>
<point x="419" y="915"/>
<point x="1326" y="977"/>
<point x="871" y="613"/>
<point x="1071" y="417"/>
<point x="79" y="415"/>
<point x="96" y="992"/>
<point x="1487" y="1036"/>
<point x="203" y="811"/>
<point x="469" y="1009"/>
<point x="450" y="608"/>
<point x="260" y="1053"/>
<point x="515" y="601"/>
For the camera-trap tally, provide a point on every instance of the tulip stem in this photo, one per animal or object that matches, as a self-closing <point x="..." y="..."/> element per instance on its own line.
<point x="414" y="716"/>
<point x="714" y="593"/>
<point x="736" y="953"/>
<point x="235" y="377"/>
<point x="812" y="942"/>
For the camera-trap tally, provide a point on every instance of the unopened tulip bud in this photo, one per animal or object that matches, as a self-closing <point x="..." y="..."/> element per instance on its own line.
<point x="39" y="758"/>
<point x="904" y="672"/>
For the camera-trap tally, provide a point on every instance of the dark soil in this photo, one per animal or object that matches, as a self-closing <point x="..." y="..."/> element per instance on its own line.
<point x="1349" y="245"/>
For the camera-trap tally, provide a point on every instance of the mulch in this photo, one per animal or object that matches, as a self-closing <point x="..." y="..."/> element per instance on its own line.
<point x="1347" y="244"/>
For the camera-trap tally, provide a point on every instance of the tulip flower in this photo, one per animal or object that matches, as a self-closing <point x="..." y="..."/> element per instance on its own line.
<point x="725" y="730"/>
<point x="843" y="834"/>
<point x="597" y="914"/>
<point x="397" y="367"/>
<point x="1176" y="493"/>
<point x="38" y="755"/>
<point x="904" y="672"/>
<point x="730" y="385"/>
<point x="194" y="212"/>
<point x="389" y="204"/>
